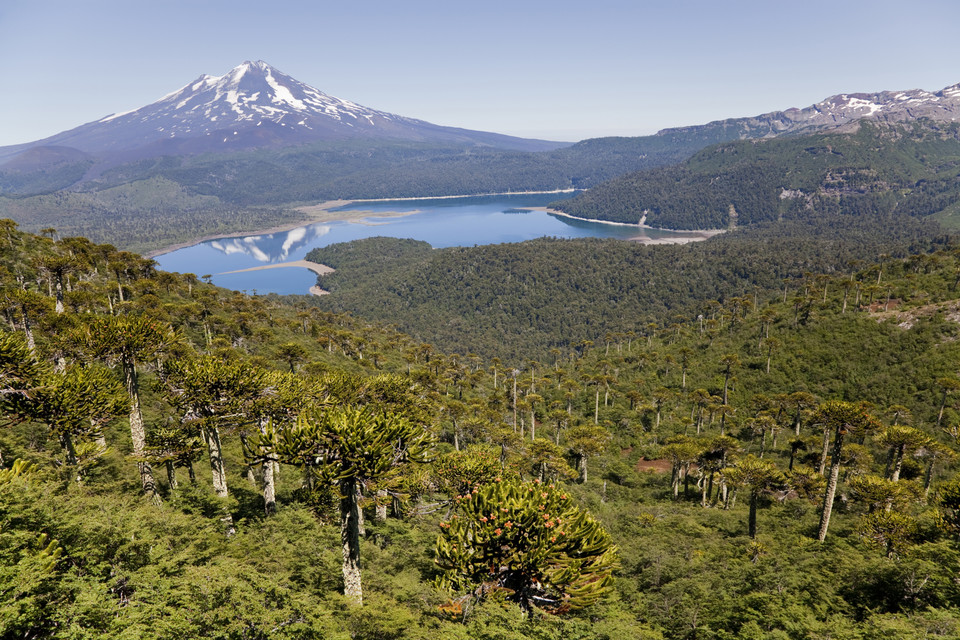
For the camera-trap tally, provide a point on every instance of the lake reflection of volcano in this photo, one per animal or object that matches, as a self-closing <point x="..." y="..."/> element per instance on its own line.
<point x="274" y="247"/>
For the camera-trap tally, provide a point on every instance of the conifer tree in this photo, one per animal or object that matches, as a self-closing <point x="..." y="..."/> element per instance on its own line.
<point x="529" y="542"/>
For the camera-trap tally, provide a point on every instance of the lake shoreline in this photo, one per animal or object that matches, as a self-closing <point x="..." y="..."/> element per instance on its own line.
<point x="323" y="212"/>
<point x="694" y="235"/>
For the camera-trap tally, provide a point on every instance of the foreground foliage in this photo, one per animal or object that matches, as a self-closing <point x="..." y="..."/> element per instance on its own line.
<point x="694" y="451"/>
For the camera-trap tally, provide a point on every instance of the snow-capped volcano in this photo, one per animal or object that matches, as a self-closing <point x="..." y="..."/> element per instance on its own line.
<point x="254" y="94"/>
<point x="253" y="105"/>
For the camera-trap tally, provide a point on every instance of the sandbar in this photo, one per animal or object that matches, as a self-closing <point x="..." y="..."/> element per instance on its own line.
<point x="316" y="267"/>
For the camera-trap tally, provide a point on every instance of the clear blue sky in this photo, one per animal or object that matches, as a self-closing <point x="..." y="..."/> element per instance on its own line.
<point x="553" y="69"/>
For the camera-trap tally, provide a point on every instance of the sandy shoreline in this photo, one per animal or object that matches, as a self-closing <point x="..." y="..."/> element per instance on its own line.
<point x="319" y="213"/>
<point x="316" y="267"/>
<point x="322" y="212"/>
<point x="689" y="235"/>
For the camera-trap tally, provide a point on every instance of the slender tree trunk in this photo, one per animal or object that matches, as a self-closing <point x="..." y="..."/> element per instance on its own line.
<point x="269" y="489"/>
<point x="361" y="524"/>
<point x="897" y="464"/>
<point x="28" y="332"/>
<point x="380" y="513"/>
<point x="218" y="470"/>
<point x="350" y="540"/>
<point x="269" y="481"/>
<point x="752" y="518"/>
<point x="831" y="487"/>
<point x="138" y="433"/>
<point x="59" y="305"/>
<point x="943" y="405"/>
<point x="71" y="452"/>
<point x="927" y="478"/>
<point x="171" y="476"/>
<point x="596" y="408"/>
<point x="822" y="467"/>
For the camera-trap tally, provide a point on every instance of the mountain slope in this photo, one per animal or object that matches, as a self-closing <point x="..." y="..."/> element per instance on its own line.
<point x="252" y="106"/>
<point x="907" y="167"/>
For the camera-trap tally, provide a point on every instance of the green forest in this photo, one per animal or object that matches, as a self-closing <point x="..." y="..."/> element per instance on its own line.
<point x="772" y="456"/>
<point x="525" y="299"/>
<point x="879" y="170"/>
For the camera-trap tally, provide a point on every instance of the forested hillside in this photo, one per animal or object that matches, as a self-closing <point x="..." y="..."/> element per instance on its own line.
<point x="224" y="193"/>
<point x="515" y="300"/>
<point x="179" y="461"/>
<point x="879" y="170"/>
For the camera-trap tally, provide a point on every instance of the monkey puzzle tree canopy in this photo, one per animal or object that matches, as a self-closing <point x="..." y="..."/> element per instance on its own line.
<point x="528" y="541"/>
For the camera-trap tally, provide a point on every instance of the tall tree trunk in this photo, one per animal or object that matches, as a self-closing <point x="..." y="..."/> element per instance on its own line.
<point x="217" y="468"/>
<point x="219" y="473"/>
<point x="66" y="441"/>
<point x="361" y="524"/>
<point x="171" y="476"/>
<point x="831" y="486"/>
<point x="269" y="489"/>
<point x="380" y="512"/>
<point x="269" y="486"/>
<point x="350" y="540"/>
<point x="822" y="467"/>
<point x="137" y="432"/>
<point x="752" y="518"/>
<point x="28" y="332"/>
<point x="59" y="305"/>
<point x="927" y="478"/>
<point x="897" y="463"/>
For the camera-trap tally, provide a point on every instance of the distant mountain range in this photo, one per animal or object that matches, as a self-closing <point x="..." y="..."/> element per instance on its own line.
<point x="257" y="137"/>
<point x="838" y="112"/>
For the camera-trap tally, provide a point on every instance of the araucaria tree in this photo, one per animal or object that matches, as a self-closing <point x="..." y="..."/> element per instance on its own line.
<point x="757" y="477"/>
<point x="841" y="419"/>
<point x="129" y="341"/>
<point x="216" y="395"/>
<point x="349" y="447"/>
<point x="528" y="541"/>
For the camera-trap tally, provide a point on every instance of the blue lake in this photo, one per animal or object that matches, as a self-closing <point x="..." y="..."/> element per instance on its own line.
<point x="447" y="222"/>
